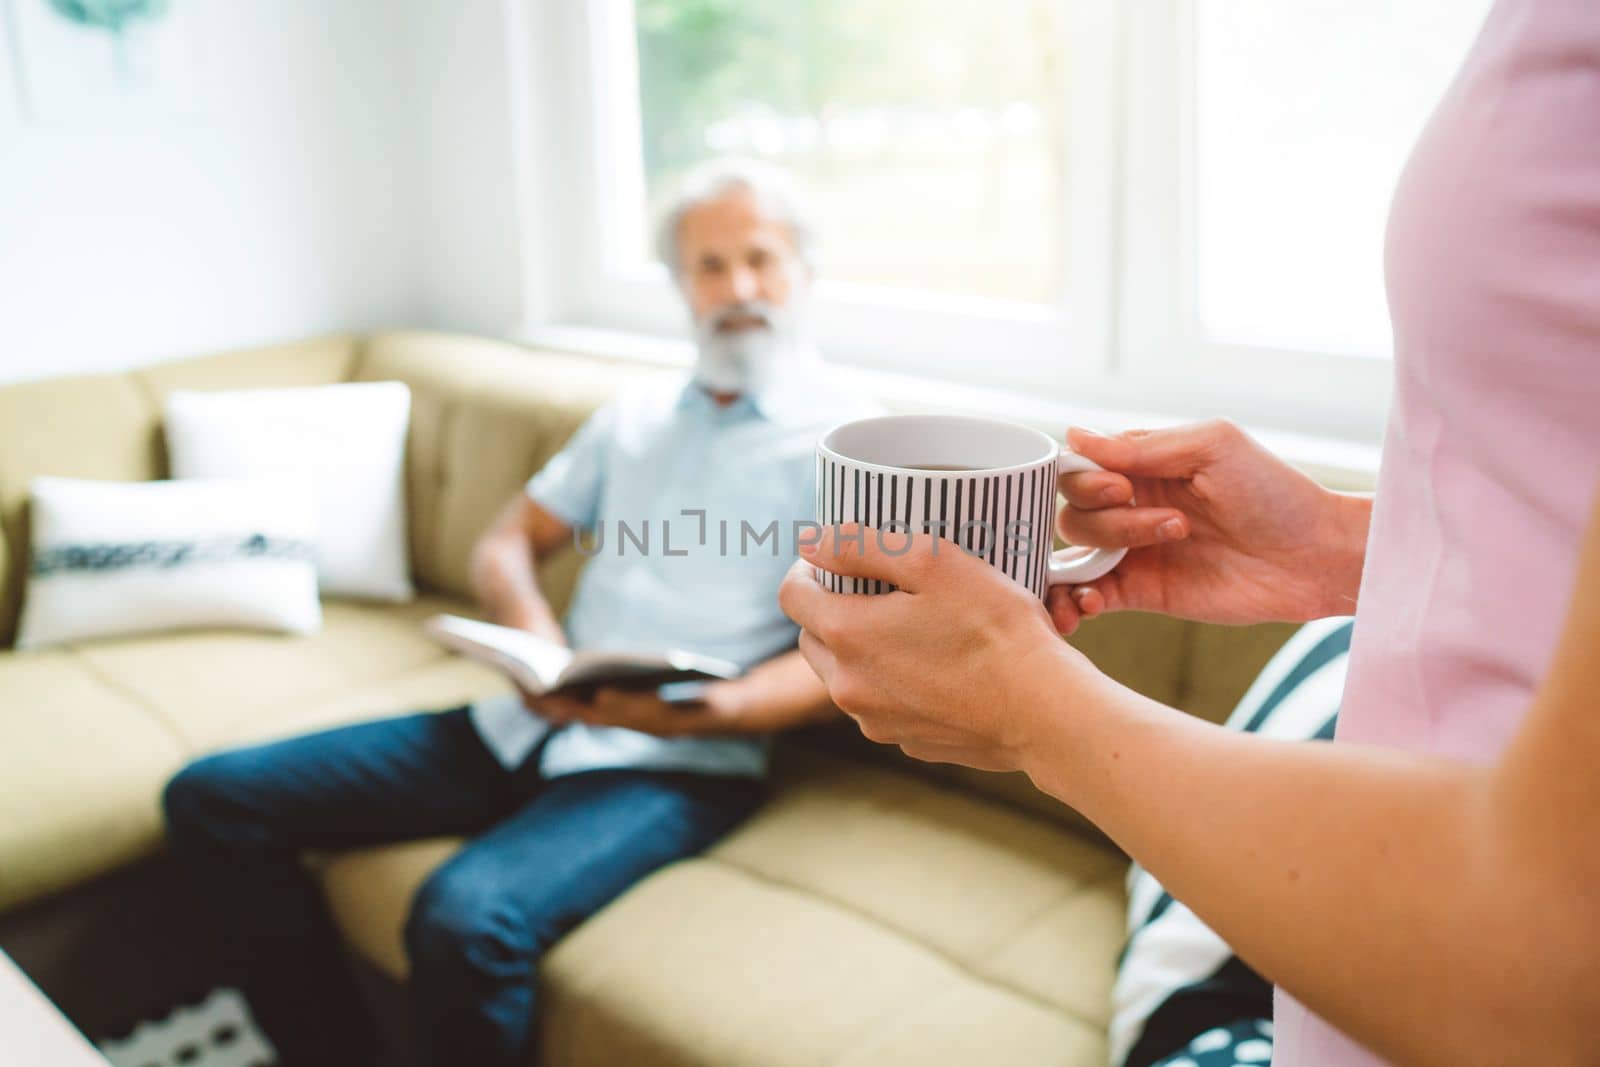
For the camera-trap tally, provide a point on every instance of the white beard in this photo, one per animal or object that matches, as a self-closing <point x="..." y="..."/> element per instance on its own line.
<point x="743" y="361"/>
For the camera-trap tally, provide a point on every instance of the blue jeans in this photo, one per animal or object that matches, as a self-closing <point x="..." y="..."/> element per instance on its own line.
<point x="545" y="854"/>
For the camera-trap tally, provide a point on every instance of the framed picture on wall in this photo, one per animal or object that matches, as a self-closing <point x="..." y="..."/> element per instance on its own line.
<point x="98" y="60"/>
<point x="10" y="77"/>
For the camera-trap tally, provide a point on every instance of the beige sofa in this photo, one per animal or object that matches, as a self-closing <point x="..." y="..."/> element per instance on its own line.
<point x="875" y="911"/>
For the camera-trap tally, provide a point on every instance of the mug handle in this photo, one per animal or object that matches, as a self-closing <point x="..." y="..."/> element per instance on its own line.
<point x="1076" y="564"/>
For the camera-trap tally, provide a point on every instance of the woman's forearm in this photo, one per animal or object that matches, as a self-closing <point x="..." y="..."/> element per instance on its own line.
<point x="1376" y="885"/>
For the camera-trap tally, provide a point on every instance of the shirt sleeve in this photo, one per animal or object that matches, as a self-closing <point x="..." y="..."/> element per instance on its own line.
<point x="569" y="486"/>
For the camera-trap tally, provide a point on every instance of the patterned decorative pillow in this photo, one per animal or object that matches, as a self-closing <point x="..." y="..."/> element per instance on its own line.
<point x="115" y="558"/>
<point x="1182" y="998"/>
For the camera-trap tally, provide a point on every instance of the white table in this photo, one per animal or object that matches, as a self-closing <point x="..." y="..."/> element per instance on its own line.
<point x="32" y="1032"/>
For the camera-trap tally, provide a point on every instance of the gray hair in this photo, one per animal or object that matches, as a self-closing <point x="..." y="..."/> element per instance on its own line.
<point x="770" y="185"/>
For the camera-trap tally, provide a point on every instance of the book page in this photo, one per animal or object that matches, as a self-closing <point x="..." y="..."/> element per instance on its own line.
<point x="540" y="661"/>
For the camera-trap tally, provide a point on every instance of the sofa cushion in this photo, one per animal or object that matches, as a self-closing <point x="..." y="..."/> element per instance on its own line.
<point x="872" y="892"/>
<point x="433" y="686"/>
<point x="369" y="892"/>
<point x="318" y="361"/>
<point x="91" y="427"/>
<point x="485" y="415"/>
<point x="976" y="882"/>
<point x="223" y="687"/>
<point x="6" y="584"/>
<point x="492" y="446"/>
<point x="703" y="963"/>
<point x="81" y="766"/>
<point x="90" y="733"/>
<point x="442" y="370"/>
<point x="1222" y="661"/>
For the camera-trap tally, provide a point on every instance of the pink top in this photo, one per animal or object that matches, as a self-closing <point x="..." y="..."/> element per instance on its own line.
<point x="1492" y="458"/>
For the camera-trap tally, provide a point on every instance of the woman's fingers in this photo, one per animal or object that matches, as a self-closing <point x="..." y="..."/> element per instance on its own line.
<point x="1065" y="614"/>
<point x="1178" y="452"/>
<point x="1095" y="489"/>
<point x="818" y="656"/>
<point x="912" y="562"/>
<point x="1122" y="527"/>
<point x="1069" y="605"/>
<point x="802" y="598"/>
<point x="837" y="619"/>
<point x="1090" y="599"/>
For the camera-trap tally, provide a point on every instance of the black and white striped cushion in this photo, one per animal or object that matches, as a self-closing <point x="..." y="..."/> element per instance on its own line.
<point x="1182" y="998"/>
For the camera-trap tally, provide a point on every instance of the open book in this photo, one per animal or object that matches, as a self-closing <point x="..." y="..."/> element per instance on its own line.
<point x="541" y="666"/>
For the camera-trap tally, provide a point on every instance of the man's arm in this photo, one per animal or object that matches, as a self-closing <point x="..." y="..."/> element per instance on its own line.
<point x="503" y="563"/>
<point x="781" y="693"/>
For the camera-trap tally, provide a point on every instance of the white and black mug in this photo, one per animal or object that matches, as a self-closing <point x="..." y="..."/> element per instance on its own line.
<point x="986" y="485"/>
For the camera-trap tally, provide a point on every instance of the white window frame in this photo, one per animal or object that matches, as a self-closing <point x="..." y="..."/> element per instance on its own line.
<point x="932" y="334"/>
<point x="1162" y="344"/>
<point x="1126" y="336"/>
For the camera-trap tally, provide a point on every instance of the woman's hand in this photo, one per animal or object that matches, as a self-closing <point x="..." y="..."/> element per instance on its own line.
<point x="958" y="665"/>
<point x="1223" y="530"/>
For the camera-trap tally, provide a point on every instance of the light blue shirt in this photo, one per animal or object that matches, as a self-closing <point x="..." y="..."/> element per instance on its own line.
<point x="689" y="510"/>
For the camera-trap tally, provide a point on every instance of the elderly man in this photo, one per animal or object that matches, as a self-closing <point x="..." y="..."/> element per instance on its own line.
<point x="569" y="803"/>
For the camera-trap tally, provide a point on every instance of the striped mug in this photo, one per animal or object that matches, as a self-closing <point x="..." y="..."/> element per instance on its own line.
<point x="988" y="486"/>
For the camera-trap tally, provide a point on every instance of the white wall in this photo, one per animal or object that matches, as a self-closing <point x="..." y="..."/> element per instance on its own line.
<point x="286" y="202"/>
<point x="475" y="161"/>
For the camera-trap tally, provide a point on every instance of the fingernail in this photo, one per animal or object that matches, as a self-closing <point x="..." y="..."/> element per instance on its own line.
<point x="1111" y="494"/>
<point x="1171" y="530"/>
<point x="1085" y="431"/>
<point x="808" y="548"/>
<point x="1079" y="592"/>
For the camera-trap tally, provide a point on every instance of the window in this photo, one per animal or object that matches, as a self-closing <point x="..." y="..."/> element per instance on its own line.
<point x="1169" y="207"/>
<point x="942" y="171"/>
<point x="1291" y="186"/>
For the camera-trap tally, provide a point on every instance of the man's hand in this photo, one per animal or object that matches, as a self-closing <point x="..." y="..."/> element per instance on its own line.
<point x="1222" y="531"/>
<point x="717" y="711"/>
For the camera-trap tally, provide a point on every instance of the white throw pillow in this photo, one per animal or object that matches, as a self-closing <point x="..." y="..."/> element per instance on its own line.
<point x="133" y="557"/>
<point x="348" y="442"/>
